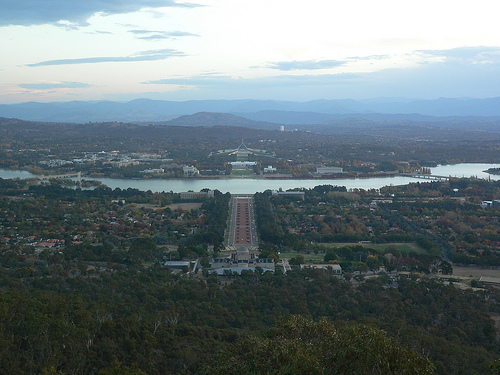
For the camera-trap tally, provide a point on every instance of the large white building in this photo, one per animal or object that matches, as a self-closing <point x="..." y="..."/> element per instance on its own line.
<point x="190" y="171"/>
<point x="329" y="170"/>
<point x="243" y="164"/>
<point x="241" y="260"/>
<point x="197" y="194"/>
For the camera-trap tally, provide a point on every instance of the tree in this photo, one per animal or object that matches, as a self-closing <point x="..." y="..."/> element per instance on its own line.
<point x="303" y="346"/>
<point x="142" y="249"/>
<point x="445" y="268"/>
<point x="297" y="260"/>
<point x="330" y="255"/>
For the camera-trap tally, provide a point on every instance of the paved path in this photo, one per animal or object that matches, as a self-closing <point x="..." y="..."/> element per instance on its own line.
<point x="242" y="230"/>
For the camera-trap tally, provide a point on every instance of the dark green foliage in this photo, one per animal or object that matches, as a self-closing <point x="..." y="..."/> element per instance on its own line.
<point x="303" y="346"/>
<point x="162" y="323"/>
<point x="142" y="249"/>
<point x="217" y="210"/>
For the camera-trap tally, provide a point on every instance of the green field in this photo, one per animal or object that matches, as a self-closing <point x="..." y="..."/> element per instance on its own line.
<point x="403" y="247"/>
<point x="242" y="173"/>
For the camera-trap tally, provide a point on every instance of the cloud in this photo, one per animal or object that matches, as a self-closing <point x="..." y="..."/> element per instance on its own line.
<point x="154" y="37"/>
<point x="159" y="35"/>
<point x="38" y="12"/>
<point x="306" y="65"/>
<point x="477" y="54"/>
<point x="460" y="73"/>
<point x="54" y="85"/>
<point x="371" y="57"/>
<point x="201" y="80"/>
<point x="276" y="81"/>
<point x="152" y="55"/>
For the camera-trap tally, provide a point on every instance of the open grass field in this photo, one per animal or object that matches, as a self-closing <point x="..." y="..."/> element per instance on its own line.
<point x="242" y="173"/>
<point x="403" y="247"/>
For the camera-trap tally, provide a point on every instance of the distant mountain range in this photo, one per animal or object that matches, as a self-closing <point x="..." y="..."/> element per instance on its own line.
<point x="266" y="111"/>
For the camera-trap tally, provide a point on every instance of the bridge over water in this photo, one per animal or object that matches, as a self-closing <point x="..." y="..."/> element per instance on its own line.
<point x="426" y="176"/>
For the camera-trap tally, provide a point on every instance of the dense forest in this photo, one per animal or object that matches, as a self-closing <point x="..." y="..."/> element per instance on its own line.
<point x="150" y="321"/>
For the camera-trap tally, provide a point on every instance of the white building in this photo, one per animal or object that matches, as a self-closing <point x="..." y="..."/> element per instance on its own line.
<point x="243" y="164"/>
<point x="242" y="260"/>
<point x="328" y="170"/>
<point x="269" y="169"/>
<point x="197" y="194"/>
<point x="190" y="171"/>
<point x="493" y="204"/>
<point x="154" y="170"/>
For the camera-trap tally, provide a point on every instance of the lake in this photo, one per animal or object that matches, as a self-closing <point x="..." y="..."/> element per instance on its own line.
<point x="253" y="185"/>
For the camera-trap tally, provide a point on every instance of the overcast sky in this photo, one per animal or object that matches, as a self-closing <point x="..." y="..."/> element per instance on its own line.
<point x="60" y="50"/>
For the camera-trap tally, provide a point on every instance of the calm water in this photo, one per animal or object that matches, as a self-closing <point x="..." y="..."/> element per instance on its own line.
<point x="250" y="186"/>
<point x="466" y="170"/>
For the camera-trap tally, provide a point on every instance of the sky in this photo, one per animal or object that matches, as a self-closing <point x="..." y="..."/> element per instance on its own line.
<point x="120" y="50"/>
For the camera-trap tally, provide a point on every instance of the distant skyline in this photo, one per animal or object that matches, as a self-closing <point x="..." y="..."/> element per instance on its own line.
<point x="242" y="49"/>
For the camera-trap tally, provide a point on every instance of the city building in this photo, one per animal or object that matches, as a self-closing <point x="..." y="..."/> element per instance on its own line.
<point x="243" y="164"/>
<point x="197" y="194"/>
<point x="328" y="170"/>
<point x="153" y="170"/>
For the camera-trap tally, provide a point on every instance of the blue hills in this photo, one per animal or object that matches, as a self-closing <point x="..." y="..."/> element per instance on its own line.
<point x="278" y="112"/>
